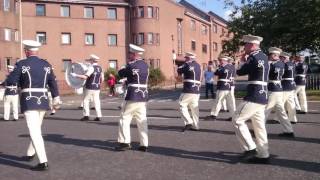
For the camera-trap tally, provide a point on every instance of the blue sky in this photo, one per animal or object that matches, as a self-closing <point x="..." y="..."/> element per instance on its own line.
<point x="217" y="6"/>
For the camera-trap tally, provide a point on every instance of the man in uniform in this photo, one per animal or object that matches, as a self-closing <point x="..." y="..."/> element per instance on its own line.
<point x="137" y="73"/>
<point x="232" y="82"/>
<point x="224" y="74"/>
<point x="276" y="92"/>
<point x="94" y="76"/>
<point x="33" y="75"/>
<point x="189" y="98"/>
<point x="11" y="97"/>
<point x="255" y="65"/>
<point x="300" y="80"/>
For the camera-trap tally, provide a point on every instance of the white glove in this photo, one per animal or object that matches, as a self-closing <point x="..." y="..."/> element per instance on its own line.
<point x="74" y="74"/>
<point x="56" y="102"/>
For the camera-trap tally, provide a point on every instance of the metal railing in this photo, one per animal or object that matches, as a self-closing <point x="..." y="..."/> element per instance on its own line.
<point x="313" y="82"/>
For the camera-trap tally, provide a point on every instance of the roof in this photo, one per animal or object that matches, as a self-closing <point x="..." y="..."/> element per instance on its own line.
<point x="214" y="15"/>
<point x="194" y="10"/>
<point x="98" y="2"/>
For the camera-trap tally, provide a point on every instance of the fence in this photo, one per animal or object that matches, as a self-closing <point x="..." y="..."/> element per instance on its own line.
<point x="313" y="82"/>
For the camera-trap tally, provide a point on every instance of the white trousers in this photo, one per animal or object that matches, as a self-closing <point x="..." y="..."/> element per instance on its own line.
<point x="95" y="96"/>
<point x="276" y="102"/>
<point x="138" y="111"/>
<point x="190" y="101"/>
<point x="221" y="96"/>
<point x="255" y="112"/>
<point x="301" y="98"/>
<point x="289" y="105"/>
<point x="11" y="100"/>
<point x="34" y="121"/>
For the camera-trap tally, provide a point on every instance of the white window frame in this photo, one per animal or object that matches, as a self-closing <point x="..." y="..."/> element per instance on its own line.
<point x="62" y="7"/>
<point x="41" y="34"/>
<point x="110" y="42"/>
<point x="150" y="38"/>
<point x="85" y="12"/>
<point x="66" y="35"/>
<point x="7" y="34"/>
<point x="140" y="38"/>
<point x="6" y="5"/>
<point x="150" y="13"/>
<point x="112" y="63"/>
<point x="88" y="41"/>
<point x="115" y="15"/>
<point x="66" y="63"/>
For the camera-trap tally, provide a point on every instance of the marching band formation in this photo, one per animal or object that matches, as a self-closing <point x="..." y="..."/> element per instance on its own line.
<point x="274" y="83"/>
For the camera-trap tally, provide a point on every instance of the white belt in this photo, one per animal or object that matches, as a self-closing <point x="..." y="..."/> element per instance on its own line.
<point x="138" y="85"/>
<point x="34" y="90"/>
<point x="275" y="81"/>
<point x="11" y="87"/>
<point x="192" y="81"/>
<point x="224" y="80"/>
<point x="301" y="75"/>
<point x="258" y="83"/>
<point x="288" y="79"/>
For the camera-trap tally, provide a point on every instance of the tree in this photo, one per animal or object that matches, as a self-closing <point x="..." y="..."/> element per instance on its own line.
<point x="290" y="25"/>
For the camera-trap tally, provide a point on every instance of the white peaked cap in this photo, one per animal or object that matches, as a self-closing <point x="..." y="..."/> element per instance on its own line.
<point x="190" y="55"/>
<point x="136" y="49"/>
<point x="285" y="54"/>
<point x="224" y="58"/>
<point x="93" y="56"/>
<point x="275" y="50"/>
<point x="31" y="45"/>
<point x="252" y="39"/>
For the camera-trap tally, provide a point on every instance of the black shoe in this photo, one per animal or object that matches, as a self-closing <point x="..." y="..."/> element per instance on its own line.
<point x="28" y="158"/>
<point x="143" y="148"/>
<point x="97" y="119"/>
<point x="80" y="107"/>
<point x="287" y="135"/>
<point x="211" y="117"/>
<point x="15" y="119"/>
<point x="51" y="114"/>
<point x="298" y="111"/>
<point x="85" y="118"/>
<point x="257" y="160"/>
<point x="222" y="110"/>
<point x="40" y="167"/>
<point x="273" y="122"/>
<point x="187" y="127"/>
<point x="92" y="108"/>
<point x="292" y="122"/>
<point x="229" y="119"/>
<point x="123" y="147"/>
<point x="248" y="154"/>
<point x="301" y="112"/>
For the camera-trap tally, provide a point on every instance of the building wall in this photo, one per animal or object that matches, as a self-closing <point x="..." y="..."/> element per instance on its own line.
<point x="9" y="49"/>
<point x="53" y="24"/>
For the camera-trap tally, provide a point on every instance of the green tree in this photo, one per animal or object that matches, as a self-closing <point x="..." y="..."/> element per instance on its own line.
<point x="156" y="77"/>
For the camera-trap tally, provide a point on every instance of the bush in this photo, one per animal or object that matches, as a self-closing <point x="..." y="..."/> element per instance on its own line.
<point x="111" y="71"/>
<point x="155" y="77"/>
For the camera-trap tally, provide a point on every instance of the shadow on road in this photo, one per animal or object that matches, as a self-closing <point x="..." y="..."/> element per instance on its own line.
<point x="11" y="160"/>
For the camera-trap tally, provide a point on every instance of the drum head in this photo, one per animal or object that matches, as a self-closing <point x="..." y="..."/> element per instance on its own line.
<point x="77" y="68"/>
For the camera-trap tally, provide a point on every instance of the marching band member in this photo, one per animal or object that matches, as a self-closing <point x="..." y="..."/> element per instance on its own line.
<point x="191" y="72"/>
<point x="137" y="73"/>
<point x="94" y="77"/>
<point x="232" y="82"/>
<point x="300" y="80"/>
<point x="224" y="74"/>
<point x="256" y="66"/>
<point x="276" y="91"/>
<point x="11" y="97"/>
<point x="33" y="75"/>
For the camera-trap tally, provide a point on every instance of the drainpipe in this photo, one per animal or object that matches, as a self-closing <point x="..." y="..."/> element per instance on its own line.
<point x="20" y="28"/>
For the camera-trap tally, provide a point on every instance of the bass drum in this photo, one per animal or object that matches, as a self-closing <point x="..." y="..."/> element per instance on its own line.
<point x="78" y="68"/>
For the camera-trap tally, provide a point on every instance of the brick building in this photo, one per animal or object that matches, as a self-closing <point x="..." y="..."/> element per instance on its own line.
<point x="72" y="30"/>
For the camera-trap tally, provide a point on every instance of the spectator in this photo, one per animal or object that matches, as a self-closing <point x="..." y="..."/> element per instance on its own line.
<point x="111" y="83"/>
<point x="208" y="76"/>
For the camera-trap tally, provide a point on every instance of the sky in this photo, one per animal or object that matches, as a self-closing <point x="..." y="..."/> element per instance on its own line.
<point x="216" y="6"/>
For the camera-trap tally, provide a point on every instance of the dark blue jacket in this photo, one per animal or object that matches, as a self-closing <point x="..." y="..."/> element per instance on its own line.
<point x="224" y="74"/>
<point x="33" y="75"/>
<point x="275" y="76"/>
<point x="191" y="72"/>
<point x="94" y="80"/>
<point x="137" y="73"/>
<point x="301" y="72"/>
<point x="287" y="82"/>
<point x="257" y="69"/>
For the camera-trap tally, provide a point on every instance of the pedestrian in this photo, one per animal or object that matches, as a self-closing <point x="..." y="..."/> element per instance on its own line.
<point x="33" y="75"/>
<point x="190" y="96"/>
<point x="111" y="83"/>
<point x="255" y="65"/>
<point x="208" y="77"/>
<point x="137" y="73"/>
<point x="93" y="77"/>
<point x="300" y="80"/>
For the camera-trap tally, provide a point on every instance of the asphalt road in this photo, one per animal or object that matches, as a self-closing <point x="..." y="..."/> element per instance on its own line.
<point x="84" y="150"/>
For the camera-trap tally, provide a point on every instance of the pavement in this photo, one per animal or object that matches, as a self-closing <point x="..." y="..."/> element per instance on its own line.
<point x="84" y="150"/>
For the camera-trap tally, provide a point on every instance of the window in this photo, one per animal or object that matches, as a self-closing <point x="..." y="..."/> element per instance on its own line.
<point x="193" y="45"/>
<point x="150" y="38"/>
<point x="66" y="64"/>
<point x="204" y="48"/>
<point x="40" y="10"/>
<point x="112" y="39"/>
<point x="154" y="63"/>
<point x="215" y="46"/>
<point x="140" y="12"/>
<point x="204" y="30"/>
<point x="157" y="39"/>
<point x="214" y="28"/>
<point x="41" y="37"/>
<point x="193" y="25"/>
<point x="112" y="13"/>
<point x="7" y="34"/>
<point x="6" y="5"/>
<point x="65" y="11"/>
<point x="140" y="38"/>
<point x="88" y="12"/>
<point x="16" y="35"/>
<point x="157" y="13"/>
<point x="150" y="12"/>
<point x="89" y="39"/>
<point x="113" y="64"/>
<point x="66" y="38"/>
